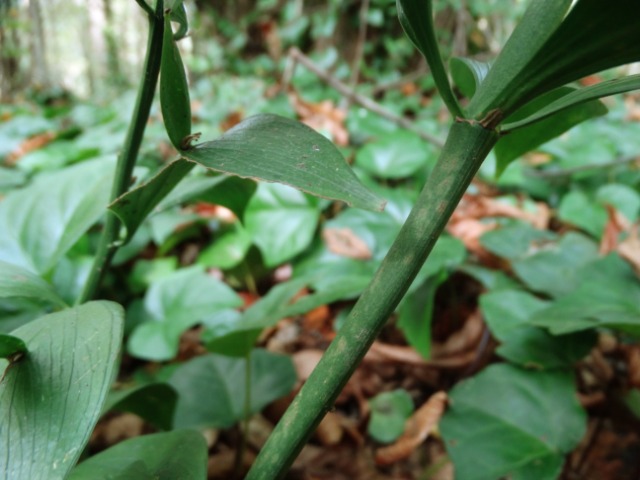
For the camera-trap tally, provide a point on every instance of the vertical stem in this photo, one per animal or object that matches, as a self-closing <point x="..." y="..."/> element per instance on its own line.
<point x="129" y="154"/>
<point x="467" y="146"/>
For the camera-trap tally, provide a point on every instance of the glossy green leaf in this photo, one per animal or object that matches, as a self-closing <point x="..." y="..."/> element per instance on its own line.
<point x="525" y="139"/>
<point x="135" y="206"/>
<point x="281" y="221"/>
<point x="174" y="91"/>
<point x="577" y="97"/>
<point x="389" y="412"/>
<point x="162" y="456"/>
<point x="212" y="388"/>
<point x="18" y="282"/>
<point x="227" y="250"/>
<point x="515" y="241"/>
<point x="553" y="269"/>
<point x="179" y="15"/>
<point x="608" y="297"/>
<point x="396" y="155"/>
<point x="277" y="149"/>
<point x="507" y="313"/>
<point x="41" y="222"/>
<point x="155" y="402"/>
<point x="468" y="74"/>
<point x="175" y="303"/>
<point x="538" y="24"/>
<point x="51" y="398"/>
<point x="416" y="18"/>
<point x="509" y="422"/>
<point x="11" y="347"/>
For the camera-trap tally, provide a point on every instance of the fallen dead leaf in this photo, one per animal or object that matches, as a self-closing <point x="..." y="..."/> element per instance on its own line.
<point x="417" y="428"/>
<point x="323" y="116"/>
<point x="330" y="430"/>
<point x="343" y="242"/>
<point x="29" y="145"/>
<point x="464" y="339"/>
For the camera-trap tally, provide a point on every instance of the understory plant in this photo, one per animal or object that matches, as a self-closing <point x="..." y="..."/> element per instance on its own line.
<point x="59" y="365"/>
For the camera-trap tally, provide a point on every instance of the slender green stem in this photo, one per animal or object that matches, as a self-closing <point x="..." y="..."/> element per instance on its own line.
<point x="129" y="154"/>
<point x="467" y="146"/>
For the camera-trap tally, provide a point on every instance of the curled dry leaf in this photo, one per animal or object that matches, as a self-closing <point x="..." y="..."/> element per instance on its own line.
<point x="343" y="242"/>
<point x="465" y="339"/>
<point x="417" y="428"/>
<point x="34" y="143"/>
<point x="323" y="116"/>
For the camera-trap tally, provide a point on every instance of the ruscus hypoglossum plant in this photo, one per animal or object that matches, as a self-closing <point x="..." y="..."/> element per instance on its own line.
<point x="57" y="368"/>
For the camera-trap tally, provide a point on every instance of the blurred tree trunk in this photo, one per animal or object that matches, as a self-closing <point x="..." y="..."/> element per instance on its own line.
<point x="39" y="65"/>
<point x="113" y="59"/>
<point x="9" y="48"/>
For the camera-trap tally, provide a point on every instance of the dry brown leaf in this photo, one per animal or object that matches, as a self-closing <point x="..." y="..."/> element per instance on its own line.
<point x="305" y="361"/>
<point x="629" y="249"/>
<point x="417" y="428"/>
<point x="343" y="242"/>
<point x="633" y="359"/>
<point x="464" y="339"/>
<point x="29" y="145"/>
<point x="330" y="430"/>
<point x="323" y="116"/>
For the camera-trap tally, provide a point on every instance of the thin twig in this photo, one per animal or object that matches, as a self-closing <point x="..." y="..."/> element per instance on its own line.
<point x="420" y="72"/>
<point x="359" y="53"/>
<point x="568" y="172"/>
<point x="296" y="56"/>
<point x="145" y="6"/>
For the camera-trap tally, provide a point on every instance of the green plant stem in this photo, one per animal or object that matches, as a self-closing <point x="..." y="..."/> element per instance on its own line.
<point x="127" y="158"/>
<point x="467" y="146"/>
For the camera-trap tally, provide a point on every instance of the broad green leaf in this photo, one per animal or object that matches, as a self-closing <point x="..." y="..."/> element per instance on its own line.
<point x="577" y="208"/>
<point x="179" y="15"/>
<point x="161" y="456"/>
<point x="608" y="297"/>
<point x="234" y="193"/>
<point x="51" y="398"/>
<point x="396" y="155"/>
<point x="18" y="282"/>
<point x="281" y="221"/>
<point x="553" y="268"/>
<point x="468" y="74"/>
<point x="509" y="422"/>
<point x="146" y="272"/>
<point x="174" y="90"/>
<point x="389" y="411"/>
<point x="515" y="241"/>
<point x="577" y="97"/>
<point x="415" y="316"/>
<point x="227" y="250"/>
<point x="622" y="197"/>
<point x="135" y="206"/>
<point x="592" y="38"/>
<point x="525" y="139"/>
<point x="277" y="149"/>
<point x="416" y="18"/>
<point x="11" y="347"/>
<point x="212" y="388"/>
<point x="175" y="303"/>
<point x="155" y="402"/>
<point x="41" y="222"/>
<point x="538" y="24"/>
<point x="507" y="313"/>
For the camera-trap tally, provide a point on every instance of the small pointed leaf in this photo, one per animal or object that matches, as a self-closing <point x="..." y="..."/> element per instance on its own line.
<point x="276" y="149"/>
<point x="174" y="90"/>
<point x="179" y="15"/>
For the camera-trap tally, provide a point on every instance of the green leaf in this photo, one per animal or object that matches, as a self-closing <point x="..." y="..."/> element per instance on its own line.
<point x="135" y="206"/>
<point x="41" y="222"/>
<point x="19" y="282"/>
<point x="50" y="400"/>
<point x="553" y="269"/>
<point x="389" y="412"/>
<point x="396" y="155"/>
<point x="608" y="297"/>
<point x="227" y="250"/>
<point x="175" y="303"/>
<point x="415" y="316"/>
<point x="576" y="97"/>
<point x="515" y="241"/>
<point x="468" y="74"/>
<point x="212" y="388"/>
<point x="11" y="347"/>
<point x="174" y="90"/>
<point x="507" y="313"/>
<point x="154" y="402"/>
<point x="163" y="456"/>
<point x="538" y="24"/>
<point x="528" y="137"/>
<point x="416" y="18"/>
<point x="277" y="149"/>
<point x="179" y="15"/>
<point x="508" y="422"/>
<point x="281" y="221"/>
<point x="576" y="208"/>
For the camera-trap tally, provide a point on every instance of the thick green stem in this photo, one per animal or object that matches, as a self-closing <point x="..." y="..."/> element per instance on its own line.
<point x="467" y="146"/>
<point x="127" y="158"/>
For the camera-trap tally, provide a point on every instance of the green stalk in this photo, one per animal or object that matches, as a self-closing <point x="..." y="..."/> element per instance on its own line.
<point x="467" y="146"/>
<point x="127" y="158"/>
